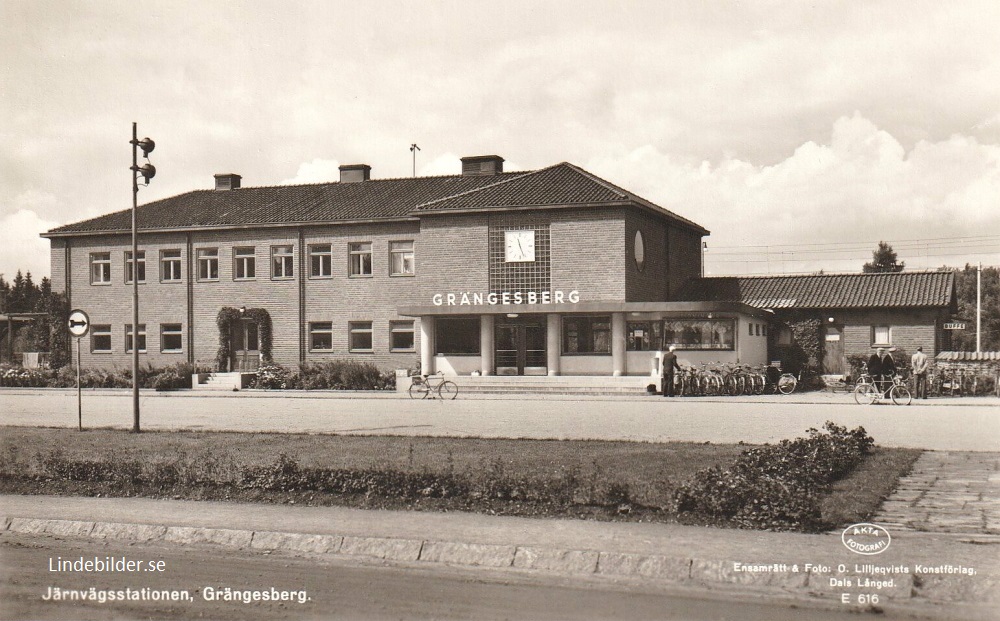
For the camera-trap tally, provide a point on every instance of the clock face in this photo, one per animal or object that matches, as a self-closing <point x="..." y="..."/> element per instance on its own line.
<point x="639" y="250"/>
<point x="519" y="246"/>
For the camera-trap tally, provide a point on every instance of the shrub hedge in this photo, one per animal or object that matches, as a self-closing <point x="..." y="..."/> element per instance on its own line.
<point x="327" y="375"/>
<point x="776" y="487"/>
<point x="166" y="378"/>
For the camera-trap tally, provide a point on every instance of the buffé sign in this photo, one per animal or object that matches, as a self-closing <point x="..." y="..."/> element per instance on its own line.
<point x="468" y="298"/>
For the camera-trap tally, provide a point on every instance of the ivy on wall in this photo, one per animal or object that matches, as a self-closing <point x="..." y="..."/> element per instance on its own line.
<point x="806" y="348"/>
<point x="229" y="318"/>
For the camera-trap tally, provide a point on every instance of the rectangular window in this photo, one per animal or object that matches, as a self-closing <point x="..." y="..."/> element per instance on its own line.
<point x="401" y="336"/>
<point x="360" y="338"/>
<point x="700" y="334"/>
<point x="320" y="261"/>
<point x="360" y="259"/>
<point x="643" y="335"/>
<point x="140" y="265"/>
<point x="401" y="258"/>
<point x="100" y="268"/>
<point x="881" y="335"/>
<point x="587" y="335"/>
<point x="142" y="338"/>
<point x="244" y="263"/>
<point x="171" y="338"/>
<point x="750" y="326"/>
<point x="456" y="335"/>
<point x="100" y="339"/>
<point x="321" y="336"/>
<point x="208" y="264"/>
<point x="282" y="262"/>
<point x="170" y="265"/>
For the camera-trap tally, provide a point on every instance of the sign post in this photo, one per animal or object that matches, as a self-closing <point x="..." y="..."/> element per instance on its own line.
<point x="79" y="325"/>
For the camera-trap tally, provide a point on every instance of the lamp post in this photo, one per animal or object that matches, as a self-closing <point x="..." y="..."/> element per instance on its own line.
<point x="147" y="171"/>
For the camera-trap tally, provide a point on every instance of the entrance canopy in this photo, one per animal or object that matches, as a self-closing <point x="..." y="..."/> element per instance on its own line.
<point x="584" y="338"/>
<point x="686" y="308"/>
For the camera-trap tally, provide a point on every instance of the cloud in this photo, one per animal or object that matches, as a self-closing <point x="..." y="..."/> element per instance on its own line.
<point x="861" y="185"/>
<point x="316" y="171"/>
<point x="20" y="246"/>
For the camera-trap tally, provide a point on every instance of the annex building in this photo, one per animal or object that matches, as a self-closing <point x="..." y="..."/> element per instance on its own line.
<point x="546" y="272"/>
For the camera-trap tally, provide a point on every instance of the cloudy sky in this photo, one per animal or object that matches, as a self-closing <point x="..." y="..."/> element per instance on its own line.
<point x="799" y="133"/>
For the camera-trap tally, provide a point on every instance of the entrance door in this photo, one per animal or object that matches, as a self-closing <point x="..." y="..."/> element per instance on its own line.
<point x="833" y="350"/>
<point x="246" y="348"/>
<point x="520" y="346"/>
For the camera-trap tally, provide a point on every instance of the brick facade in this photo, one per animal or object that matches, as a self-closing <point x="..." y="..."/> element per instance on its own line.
<point x="591" y="252"/>
<point x="908" y="330"/>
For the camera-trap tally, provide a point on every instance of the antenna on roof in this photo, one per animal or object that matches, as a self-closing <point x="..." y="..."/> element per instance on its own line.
<point x="413" y="149"/>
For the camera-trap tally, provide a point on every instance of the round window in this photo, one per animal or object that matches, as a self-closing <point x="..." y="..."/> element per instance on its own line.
<point x="639" y="249"/>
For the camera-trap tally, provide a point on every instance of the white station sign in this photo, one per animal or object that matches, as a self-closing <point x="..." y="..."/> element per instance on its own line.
<point x="79" y="323"/>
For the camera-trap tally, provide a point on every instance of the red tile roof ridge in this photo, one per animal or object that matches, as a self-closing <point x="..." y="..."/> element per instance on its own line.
<point x="841" y="274"/>
<point x="487" y="186"/>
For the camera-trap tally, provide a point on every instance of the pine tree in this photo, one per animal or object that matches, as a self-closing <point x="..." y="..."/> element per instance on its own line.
<point x="883" y="260"/>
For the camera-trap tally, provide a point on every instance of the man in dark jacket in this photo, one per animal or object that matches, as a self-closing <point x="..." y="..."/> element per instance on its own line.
<point x="882" y="368"/>
<point x="667" y="367"/>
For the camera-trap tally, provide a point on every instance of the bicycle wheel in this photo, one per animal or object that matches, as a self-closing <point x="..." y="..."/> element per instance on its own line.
<point x="786" y="384"/>
<point x="418" y="389"/>
<point x="900" y="395"/>
<point x="448" y="390"/>
<point x="865" y="394"/>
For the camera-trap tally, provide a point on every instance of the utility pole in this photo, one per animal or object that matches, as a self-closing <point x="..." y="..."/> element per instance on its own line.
<point x="413" y="149"/>
<point x="147" y="171"/>
<point x="979" y="305"/>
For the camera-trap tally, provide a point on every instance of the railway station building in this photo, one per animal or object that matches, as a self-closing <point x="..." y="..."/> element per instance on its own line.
<point x="545" y="272"/>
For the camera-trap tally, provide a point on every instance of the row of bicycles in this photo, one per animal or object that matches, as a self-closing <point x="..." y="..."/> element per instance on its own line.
<point x="939" y="384"/>
<point x="734" y="380"/>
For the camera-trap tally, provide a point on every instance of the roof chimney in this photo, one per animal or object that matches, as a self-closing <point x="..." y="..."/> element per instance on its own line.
<point x="353" y="173"/>
<point x="227" y="181"/>
<point x="482" y="165"/>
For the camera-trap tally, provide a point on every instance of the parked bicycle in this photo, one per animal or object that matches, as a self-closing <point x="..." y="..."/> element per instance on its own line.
<point x="868" y="392"/>
<point x="432" y="386"/>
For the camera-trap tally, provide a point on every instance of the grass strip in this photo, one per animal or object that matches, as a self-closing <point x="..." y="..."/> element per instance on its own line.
<point x="546" y="478"/>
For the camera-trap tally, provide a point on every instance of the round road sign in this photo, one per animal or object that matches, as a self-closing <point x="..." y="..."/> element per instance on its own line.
<point x="79" y="323"/>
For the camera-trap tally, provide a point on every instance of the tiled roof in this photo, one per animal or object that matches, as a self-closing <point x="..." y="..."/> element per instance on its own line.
<point x="891" y="289"/>
<point x="560" y="185"/>
<point x="324" y="202"/>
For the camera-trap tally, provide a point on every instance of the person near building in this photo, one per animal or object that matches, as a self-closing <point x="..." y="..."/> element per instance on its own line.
<point x="920" y="365"/>
<point x="668" y="365"/>
<point x="881" y="368"/>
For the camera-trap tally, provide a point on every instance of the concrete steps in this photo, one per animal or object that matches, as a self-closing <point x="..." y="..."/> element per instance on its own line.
<point x="567" y="385"/>
<point x="221" y="381"/>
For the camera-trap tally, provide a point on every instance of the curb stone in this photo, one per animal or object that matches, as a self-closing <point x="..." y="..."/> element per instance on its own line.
<point x="647" y="566"/>
<point x="937" y="589"/>
<point x="382" y="547"/>
<point x="487" y="555"/>
<point x="129" y="532"/>
<point x="220" y="536"/>
<point x="313" y="544"/>
<point x="553" y="559"/>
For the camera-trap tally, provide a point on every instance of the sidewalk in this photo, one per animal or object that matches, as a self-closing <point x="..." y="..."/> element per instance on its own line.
<point x="820" y="397"/>
<point x="671" y="553"/>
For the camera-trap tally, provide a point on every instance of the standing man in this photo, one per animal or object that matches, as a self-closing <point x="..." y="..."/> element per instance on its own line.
<point x="888" y="372"/>
<point x="667" y="366"/>
<point x="875" y="368"/>
<point x="920" y="365"/>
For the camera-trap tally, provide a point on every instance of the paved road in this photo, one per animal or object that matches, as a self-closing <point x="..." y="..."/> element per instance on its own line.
<point x="928" y="425"/>
<point x="348" y="590"/>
